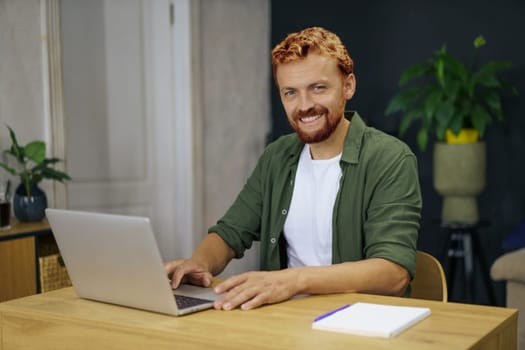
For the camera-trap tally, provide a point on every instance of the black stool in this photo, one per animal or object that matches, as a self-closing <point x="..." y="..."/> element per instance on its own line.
<point x="462" y="242"/>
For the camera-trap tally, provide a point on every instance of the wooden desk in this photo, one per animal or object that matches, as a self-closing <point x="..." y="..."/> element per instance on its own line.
<point x="19" y="253"/>
<point x="60" y="320"/>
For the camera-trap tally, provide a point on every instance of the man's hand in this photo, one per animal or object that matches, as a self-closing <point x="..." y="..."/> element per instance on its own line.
<point x="252" y="289"/>
<point x="187" y="271"/>
<point x="209" y="259"/>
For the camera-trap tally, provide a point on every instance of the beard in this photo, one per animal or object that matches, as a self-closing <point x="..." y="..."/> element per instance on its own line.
<point x="331" y="123"/>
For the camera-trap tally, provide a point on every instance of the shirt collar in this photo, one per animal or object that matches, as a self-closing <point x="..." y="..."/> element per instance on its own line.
<point x="354" y="138"/>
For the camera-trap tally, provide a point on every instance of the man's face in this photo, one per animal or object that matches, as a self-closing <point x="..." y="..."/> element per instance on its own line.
<point x="314" y="92"/>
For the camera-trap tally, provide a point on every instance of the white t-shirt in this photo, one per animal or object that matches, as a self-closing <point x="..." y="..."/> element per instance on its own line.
<point x="308" y="226"/>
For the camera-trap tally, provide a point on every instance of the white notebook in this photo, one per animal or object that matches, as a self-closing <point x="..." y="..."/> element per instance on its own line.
<point x="373" y="320"/>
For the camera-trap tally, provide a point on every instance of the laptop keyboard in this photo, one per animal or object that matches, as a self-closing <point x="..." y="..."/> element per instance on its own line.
<point x="185" y="302"/>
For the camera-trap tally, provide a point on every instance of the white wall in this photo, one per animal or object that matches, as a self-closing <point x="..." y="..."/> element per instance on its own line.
<point x="235" y="82"/>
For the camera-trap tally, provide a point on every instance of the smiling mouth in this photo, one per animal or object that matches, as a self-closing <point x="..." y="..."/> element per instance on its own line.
<point x="310" y="118"/>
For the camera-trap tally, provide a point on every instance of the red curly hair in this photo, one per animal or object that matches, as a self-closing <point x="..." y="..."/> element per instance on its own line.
<point x="296" y="46"/>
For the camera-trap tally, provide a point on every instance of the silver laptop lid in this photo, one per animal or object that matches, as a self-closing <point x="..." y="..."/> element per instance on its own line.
<point x="113" y="258"/>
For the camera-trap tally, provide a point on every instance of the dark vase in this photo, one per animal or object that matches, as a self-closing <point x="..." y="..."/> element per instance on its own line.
<point x="30" y="208"/>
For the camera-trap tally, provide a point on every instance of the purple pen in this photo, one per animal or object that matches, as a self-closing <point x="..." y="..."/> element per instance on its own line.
<point x="319" y="318"/>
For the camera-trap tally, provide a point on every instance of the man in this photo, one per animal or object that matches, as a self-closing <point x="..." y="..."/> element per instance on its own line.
<point x="336" y="205"/>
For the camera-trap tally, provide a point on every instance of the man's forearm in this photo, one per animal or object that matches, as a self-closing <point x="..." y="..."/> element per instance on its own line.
<point x="376" y="276"/>
<point x="213" y="253"/>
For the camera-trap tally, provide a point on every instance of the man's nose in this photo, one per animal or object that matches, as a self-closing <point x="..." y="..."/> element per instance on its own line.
<point x="305" y="102"/>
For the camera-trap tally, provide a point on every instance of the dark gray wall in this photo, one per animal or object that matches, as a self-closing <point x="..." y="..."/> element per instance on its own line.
<point x="384" y="37"/>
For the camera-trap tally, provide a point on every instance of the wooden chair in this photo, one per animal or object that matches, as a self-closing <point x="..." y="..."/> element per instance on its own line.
<point x="429" y="282"/>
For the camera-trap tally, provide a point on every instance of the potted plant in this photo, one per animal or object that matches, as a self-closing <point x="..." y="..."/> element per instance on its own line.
<point x="29" y="201"/>
<point x="455" y="102"/>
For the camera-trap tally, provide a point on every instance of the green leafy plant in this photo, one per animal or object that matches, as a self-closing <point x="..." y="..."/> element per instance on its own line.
<point x="32" y="163"/>
<point x="447" y="94"/>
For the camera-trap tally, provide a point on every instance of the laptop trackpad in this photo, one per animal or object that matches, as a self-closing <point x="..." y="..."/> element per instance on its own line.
<point x="196" y="292"/>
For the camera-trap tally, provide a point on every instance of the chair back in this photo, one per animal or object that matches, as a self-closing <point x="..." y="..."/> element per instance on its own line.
<point x="429" y="282"/>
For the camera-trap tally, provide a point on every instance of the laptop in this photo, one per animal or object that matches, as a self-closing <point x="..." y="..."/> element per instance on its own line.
<point x="115" y="259"/>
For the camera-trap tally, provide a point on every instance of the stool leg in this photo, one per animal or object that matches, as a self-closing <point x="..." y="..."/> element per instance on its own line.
<point x="452" y="255"/>
<point x="478" y="251"/>
<point x="468" y="264"/>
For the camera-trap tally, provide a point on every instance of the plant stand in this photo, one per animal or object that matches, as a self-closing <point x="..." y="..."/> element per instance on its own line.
<point x="462" y="243"/>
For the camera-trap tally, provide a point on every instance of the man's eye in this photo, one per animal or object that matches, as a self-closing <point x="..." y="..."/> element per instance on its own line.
<point x="289" y="93"/>
<point x="319" y="88"/>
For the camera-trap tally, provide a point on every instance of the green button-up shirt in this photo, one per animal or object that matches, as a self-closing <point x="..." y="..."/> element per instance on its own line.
<point x="376" y="212"/>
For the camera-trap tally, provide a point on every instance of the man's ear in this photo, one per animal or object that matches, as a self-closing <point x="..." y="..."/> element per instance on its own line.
<point x="349" y="86"/>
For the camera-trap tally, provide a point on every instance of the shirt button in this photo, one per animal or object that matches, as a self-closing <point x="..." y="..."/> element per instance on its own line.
<point x="284" y="212"/>
<point x="273" y="240"/>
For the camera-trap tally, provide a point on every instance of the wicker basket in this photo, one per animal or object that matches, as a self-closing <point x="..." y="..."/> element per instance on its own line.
<point x="53" y="273"/>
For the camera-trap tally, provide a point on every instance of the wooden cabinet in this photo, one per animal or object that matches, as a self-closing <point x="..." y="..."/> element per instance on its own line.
<point x="19" y="253"/>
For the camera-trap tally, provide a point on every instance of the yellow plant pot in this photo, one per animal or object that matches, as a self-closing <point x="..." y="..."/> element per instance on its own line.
<point x="464" y="136"/>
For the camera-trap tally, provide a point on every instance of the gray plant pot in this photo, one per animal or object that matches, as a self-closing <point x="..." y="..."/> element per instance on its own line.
<point x="459" y="176"/>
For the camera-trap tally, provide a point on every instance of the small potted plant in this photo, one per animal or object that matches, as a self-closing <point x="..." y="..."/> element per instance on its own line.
<point x="29" y="201"/>
<point x="455" y="102"/>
